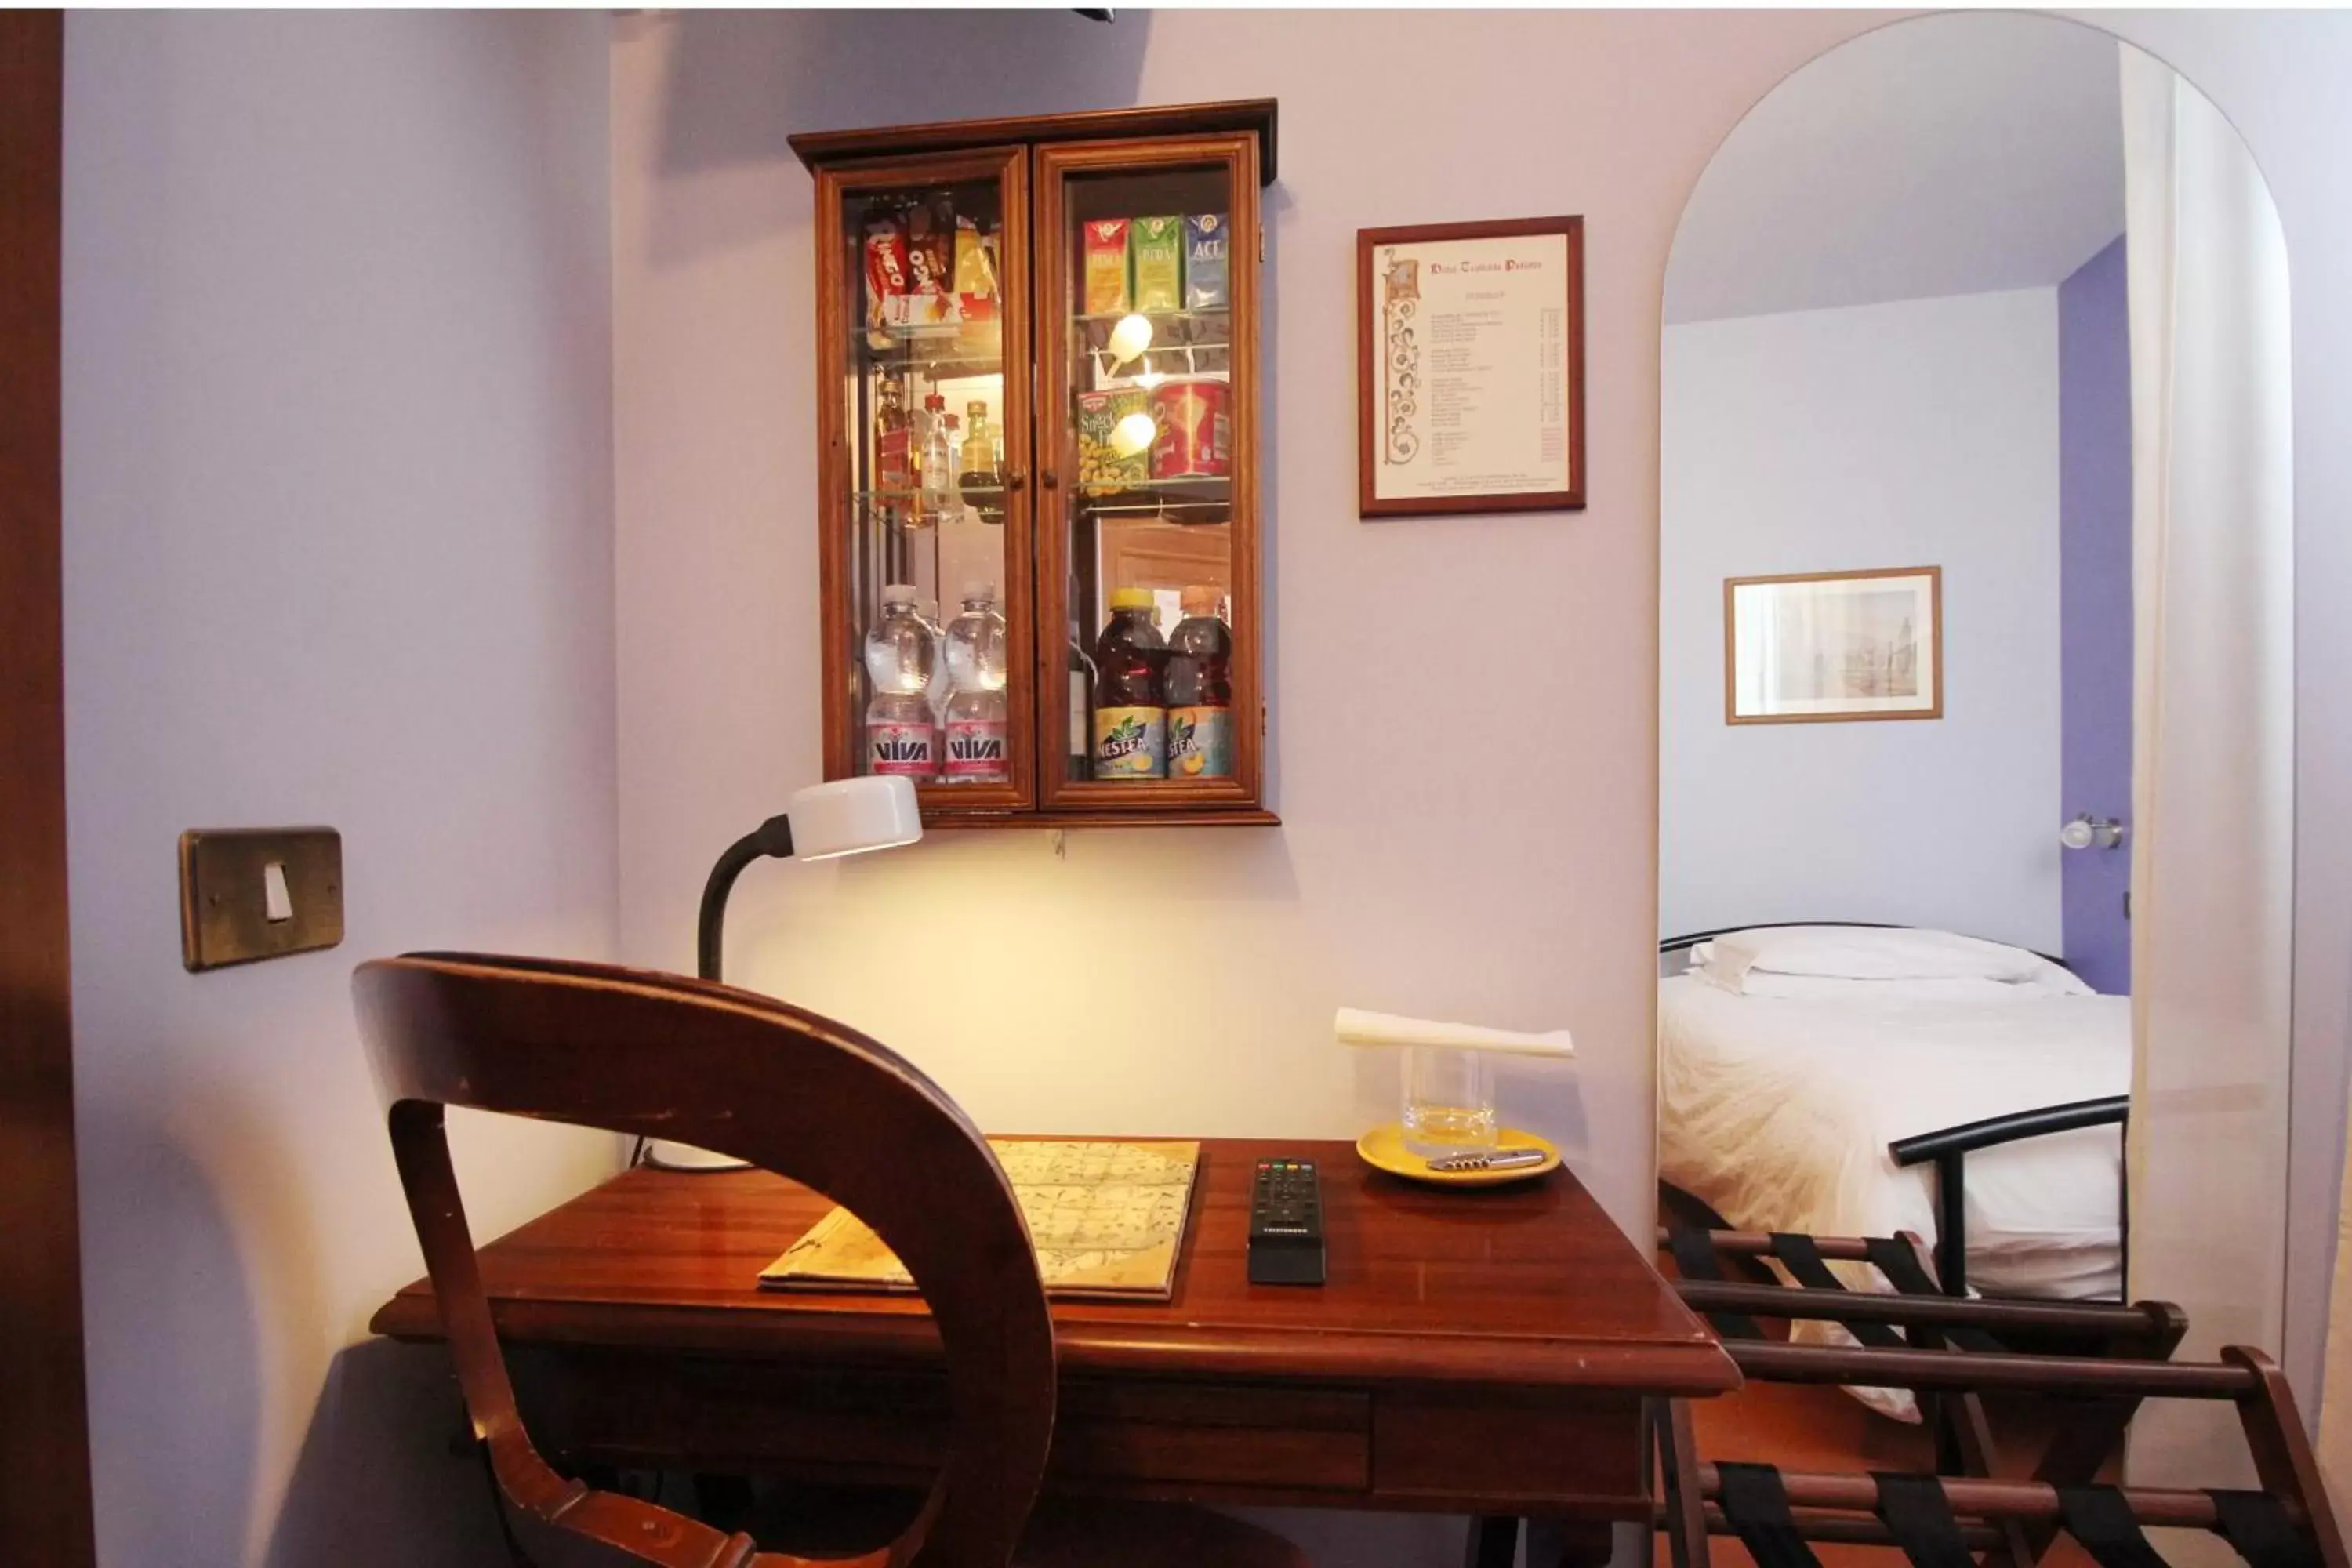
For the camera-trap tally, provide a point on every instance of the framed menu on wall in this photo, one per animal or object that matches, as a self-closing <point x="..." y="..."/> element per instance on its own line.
<point x="1470" y="367"/>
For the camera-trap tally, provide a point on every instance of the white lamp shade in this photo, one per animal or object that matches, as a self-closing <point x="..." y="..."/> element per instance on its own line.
<point x="849" y="816"/>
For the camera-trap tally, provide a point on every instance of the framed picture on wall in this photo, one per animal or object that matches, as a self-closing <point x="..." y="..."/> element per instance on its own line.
<point x="1822" y="647"/>
<point x="1470" y="368"/>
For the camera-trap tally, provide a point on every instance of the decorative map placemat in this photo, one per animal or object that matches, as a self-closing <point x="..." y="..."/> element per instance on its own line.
<point x="1108" y="1220"/>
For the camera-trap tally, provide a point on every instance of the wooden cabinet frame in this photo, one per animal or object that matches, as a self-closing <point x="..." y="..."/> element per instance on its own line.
<point x="1032" y="160"/>
<point x="1056" y="443"/>
<point x="836" y="439"/>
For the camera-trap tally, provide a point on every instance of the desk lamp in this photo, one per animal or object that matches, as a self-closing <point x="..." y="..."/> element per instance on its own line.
<point x="822" y="822"/>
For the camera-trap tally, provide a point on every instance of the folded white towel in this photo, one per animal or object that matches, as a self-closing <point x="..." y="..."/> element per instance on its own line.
<point x="1357" y="1028"/>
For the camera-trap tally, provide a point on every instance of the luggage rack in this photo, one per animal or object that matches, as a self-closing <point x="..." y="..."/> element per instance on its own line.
<point x="1952" y="1353"/>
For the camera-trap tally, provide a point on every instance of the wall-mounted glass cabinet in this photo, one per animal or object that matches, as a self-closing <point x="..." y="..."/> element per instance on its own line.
<point x="1038" y="423"/>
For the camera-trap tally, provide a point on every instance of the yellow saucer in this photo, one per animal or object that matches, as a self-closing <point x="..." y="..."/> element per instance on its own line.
<point x="1383" y="1149"/>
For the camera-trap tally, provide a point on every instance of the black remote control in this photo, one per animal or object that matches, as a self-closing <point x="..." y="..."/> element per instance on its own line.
<point x="1286" y="1231"/>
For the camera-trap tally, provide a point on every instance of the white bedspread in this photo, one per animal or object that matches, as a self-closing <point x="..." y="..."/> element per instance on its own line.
<point x="1778" y="1113"/>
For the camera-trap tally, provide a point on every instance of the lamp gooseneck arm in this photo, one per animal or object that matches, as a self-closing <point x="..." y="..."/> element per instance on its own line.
<point x="772" y="838"/>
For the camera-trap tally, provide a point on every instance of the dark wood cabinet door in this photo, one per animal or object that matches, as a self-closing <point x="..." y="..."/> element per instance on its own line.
<point x="923" y="319"/>
<point x="1148" y="412"/>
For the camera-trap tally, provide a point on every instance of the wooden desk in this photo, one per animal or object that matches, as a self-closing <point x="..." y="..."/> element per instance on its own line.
<point x="1474" y="1352"/>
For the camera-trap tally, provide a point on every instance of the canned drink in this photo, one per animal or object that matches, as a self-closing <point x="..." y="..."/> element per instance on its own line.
<point x="1196" y="433"/>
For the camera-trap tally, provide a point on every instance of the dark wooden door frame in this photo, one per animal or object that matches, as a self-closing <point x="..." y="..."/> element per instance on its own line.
<point x="45" y="1514"/>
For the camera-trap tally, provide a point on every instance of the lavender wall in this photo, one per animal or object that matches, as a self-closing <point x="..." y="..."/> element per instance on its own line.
<point x="1872" y="436"/>
<point x="338" y="548"/>
<point x="2095" y="587"/>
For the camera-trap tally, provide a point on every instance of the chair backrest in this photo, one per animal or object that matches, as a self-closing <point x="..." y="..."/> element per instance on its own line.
<point x="655" y="1054"/>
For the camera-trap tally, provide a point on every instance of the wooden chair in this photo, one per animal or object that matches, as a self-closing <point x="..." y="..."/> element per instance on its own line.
<point x="655" y="1054"/>
<point x="1942" y="1521"/>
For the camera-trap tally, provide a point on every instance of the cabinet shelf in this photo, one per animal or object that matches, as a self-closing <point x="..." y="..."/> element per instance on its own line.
<point x="1223" y="315"/>
<point x="1062" y="563"/>
<point x="1144" y="816"/>
<point x="1180" y="342"/>
<point x="939" y="358"/>
<point x="969" y="494"/>
<point x="1184" y="499"/>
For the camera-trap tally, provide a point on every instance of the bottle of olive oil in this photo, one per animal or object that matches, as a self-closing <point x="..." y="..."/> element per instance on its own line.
<point x="979" y="470"/>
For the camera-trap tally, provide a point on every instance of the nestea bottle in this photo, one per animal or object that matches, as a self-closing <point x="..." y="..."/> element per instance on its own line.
<point x="1130" y="700"/>
<point x="1200" y="689"/>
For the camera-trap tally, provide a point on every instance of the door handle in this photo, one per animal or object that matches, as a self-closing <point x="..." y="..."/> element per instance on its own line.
<point x="2088" y="832"/>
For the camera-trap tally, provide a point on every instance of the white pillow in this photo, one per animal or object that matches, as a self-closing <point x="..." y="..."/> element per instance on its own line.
<point x="1864" y="953"/>
<point x="2055" y="982"/>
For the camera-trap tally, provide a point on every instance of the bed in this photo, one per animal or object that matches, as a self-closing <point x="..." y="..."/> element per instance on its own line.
<point x="1795" y="1063"/>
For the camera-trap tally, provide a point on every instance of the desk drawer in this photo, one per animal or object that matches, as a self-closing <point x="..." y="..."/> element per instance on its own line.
<point x="1580" y="1457"/>
<point x="1228" y="1434"/>
<point x="886" y="1423"/>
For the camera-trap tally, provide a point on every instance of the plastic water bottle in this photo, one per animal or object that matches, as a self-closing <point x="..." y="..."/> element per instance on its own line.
<point x="977" y="744"/>
<point x="935" y="693"/>
<point x="902" y="652"/>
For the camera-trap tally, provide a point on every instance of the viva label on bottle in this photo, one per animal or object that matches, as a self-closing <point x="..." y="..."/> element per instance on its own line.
<point x="1199" y="743"/>
<point x="976" y="751"/>
<point x="904" y="749"/>
<point x="1130" y="743"/>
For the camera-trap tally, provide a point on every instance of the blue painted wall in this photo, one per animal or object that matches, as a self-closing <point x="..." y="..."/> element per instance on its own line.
<point x="2095" y="553"/>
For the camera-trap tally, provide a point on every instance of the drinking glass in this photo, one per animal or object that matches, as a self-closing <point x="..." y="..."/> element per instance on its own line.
<point x="1449" y="1103"/>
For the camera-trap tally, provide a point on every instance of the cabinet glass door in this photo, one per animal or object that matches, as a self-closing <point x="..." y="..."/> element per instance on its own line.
<point x="925" y="426"/>
<point x="1148" y="678"/>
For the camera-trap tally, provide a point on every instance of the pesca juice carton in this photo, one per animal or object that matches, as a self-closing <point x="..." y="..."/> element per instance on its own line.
<point x="1105" y="267"/>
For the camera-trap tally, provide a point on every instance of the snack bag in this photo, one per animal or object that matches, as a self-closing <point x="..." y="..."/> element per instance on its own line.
<point x="975" y="271"/>
<point x="1101" y="466"/>
<point x="887" y="277"/>
<point x="931" y="263"/>
<point x="1206" y="287"/>
<point x="1156" y="246"/>
<point x="1105" y="254"/>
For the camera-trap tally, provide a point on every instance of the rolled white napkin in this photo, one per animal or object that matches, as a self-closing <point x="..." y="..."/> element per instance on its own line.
<point x="1357" y="1028"/>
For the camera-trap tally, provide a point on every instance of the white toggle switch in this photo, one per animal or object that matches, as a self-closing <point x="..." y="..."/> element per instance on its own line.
<point x="275" y="903"/>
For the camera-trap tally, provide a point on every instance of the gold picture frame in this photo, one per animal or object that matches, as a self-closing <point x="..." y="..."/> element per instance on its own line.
<point x="1820" y="647"/>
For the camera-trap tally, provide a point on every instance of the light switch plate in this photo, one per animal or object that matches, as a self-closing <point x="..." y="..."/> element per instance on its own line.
<point x="224" y="899"/>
